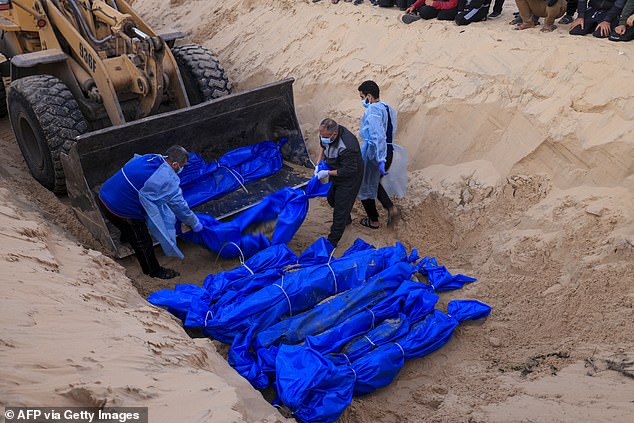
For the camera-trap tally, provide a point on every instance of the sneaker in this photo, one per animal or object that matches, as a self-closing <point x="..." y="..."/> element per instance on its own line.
<point x="357" y="2"/>
<point x="566" y="19"/>
<point x="494" y="15"/>
<point x="165" y="273"/>
<point x="409" y="18"/>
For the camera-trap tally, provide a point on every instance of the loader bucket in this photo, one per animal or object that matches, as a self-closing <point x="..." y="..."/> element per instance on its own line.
<point x="209" y="129"/>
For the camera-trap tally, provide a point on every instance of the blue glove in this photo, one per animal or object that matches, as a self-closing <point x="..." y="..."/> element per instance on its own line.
<point x="551" y="3"/>
<point x="198" y="227"/>
<point x="382" y="169"/>
<point x="322" y="174"/>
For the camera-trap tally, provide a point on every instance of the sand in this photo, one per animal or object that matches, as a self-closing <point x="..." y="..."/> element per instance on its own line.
<point x="521" y="174"/>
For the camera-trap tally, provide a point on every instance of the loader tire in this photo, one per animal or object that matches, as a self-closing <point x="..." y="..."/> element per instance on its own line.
<point x="202" y="74"/>
<point x="3" y="100"/>
<point x="46" y="120"/>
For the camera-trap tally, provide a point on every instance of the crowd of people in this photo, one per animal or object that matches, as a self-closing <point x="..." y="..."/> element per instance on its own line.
<point x="613" y="19"/>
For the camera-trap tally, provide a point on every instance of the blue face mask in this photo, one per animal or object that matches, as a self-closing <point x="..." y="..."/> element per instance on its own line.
<point x="365" y="102"/>
<point x="180" y="169"/>
<point x="325" y="140"/>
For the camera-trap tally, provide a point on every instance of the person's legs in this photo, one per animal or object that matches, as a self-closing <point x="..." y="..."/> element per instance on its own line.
<point x="599" y="19"/>
<point x="447" y="15"/>
<point x="553" y="12"/>
<point x="343" y="198"/>
<point x="136" y="233"/>
<point x="524" y="7"/>
<point x="628" y="36"/>
<point x="370" y="209"/>
<point x="427" y="12"/>
<point x="497" y="7"/>
<point x="588" y="24"/>
<point x="467" y="16"/>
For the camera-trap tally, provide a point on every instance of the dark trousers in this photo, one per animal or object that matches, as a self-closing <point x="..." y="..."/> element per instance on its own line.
<point x="341" y="198"/>
<point x="467" y="15"/>
<point x="497" y="6"/>
<point x="571" y="7"/>
<point x="136" y="233"/>
<point x="428" y="12"/>
<point x="370" y="205"/>
<point x="590" y="21"/>
<point x="628" y="36"/>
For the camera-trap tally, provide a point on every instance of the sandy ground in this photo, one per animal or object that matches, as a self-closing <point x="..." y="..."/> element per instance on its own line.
<point x="521" y="174"/>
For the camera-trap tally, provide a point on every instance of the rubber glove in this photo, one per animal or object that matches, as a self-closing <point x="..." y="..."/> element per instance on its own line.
<point x="197" y="227"/>
<point x="322" y="174"/>
<point x="382" y="169"/>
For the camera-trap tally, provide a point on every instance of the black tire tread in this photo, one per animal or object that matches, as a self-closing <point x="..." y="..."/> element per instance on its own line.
<point x="204" y="69"/>
<point x="58" y="115"/>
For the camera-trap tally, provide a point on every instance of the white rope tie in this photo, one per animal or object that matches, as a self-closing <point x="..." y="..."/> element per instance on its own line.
<point x="373" y="316"/>
<point x="355" y="373"/>
<point x="332" y="271"/>
<point x="207" y="316"/>
<point x="347" y="358"/>
<point x="402" y="350"/>
<point x="126" y="178"/>
<point x="242" y="262"/>
<point x="290" y="308"/>
<point x="236" y="175"/>
<point x="370" y="341"/>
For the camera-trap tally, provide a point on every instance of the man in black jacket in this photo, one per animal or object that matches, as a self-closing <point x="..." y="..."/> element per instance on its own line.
<point x="341" y="152"/>
<point x="597" y="16"/>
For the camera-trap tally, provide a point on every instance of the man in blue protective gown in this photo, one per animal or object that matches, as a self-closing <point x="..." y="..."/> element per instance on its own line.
<point x="378" y="126"/>
<point x="340" y="151"/>
<point x="144" y="194"/>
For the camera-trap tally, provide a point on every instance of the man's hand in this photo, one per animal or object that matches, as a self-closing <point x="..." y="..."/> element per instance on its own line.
<point x="604" y="28"/>
<point x="429" y="2"/>
<point x="630" y="21"/>
<point x="382" y="169"/>
<point x="620" y="29"/>
<point x="409" y="10"/>
<point x="322" y="174"/>
<point x="197" y="227"/>
<point x="577" y="22"/>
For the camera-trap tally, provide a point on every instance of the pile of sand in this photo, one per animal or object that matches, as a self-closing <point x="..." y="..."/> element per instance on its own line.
<point x="521" y="174"/>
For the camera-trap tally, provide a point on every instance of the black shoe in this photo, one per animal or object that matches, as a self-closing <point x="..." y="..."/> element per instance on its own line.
<point x="494" y="15"/>
<point x="409" y="18"/>
<point x="357" y="2"/>
<point x="164" y="273"/>
<point x="566" y="19"/>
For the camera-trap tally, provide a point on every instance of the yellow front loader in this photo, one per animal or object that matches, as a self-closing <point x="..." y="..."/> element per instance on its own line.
<point x="92" y="84"/>
<point x="81" y="65"/>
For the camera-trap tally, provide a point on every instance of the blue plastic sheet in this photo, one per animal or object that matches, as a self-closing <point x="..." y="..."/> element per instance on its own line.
<point x="439" y="277"/>
<point x="372" y="370"/>
<point x="323" y="329"/>
<point x="202" y="181"/>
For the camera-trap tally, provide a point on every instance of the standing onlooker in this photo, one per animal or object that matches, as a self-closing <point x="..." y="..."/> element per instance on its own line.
<point x="340" y="151"/>
<point x="444" y="10"/>
<point x="599" y="17"/>
<point x="625" y="30"/>
<point x="378" y="126"/>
